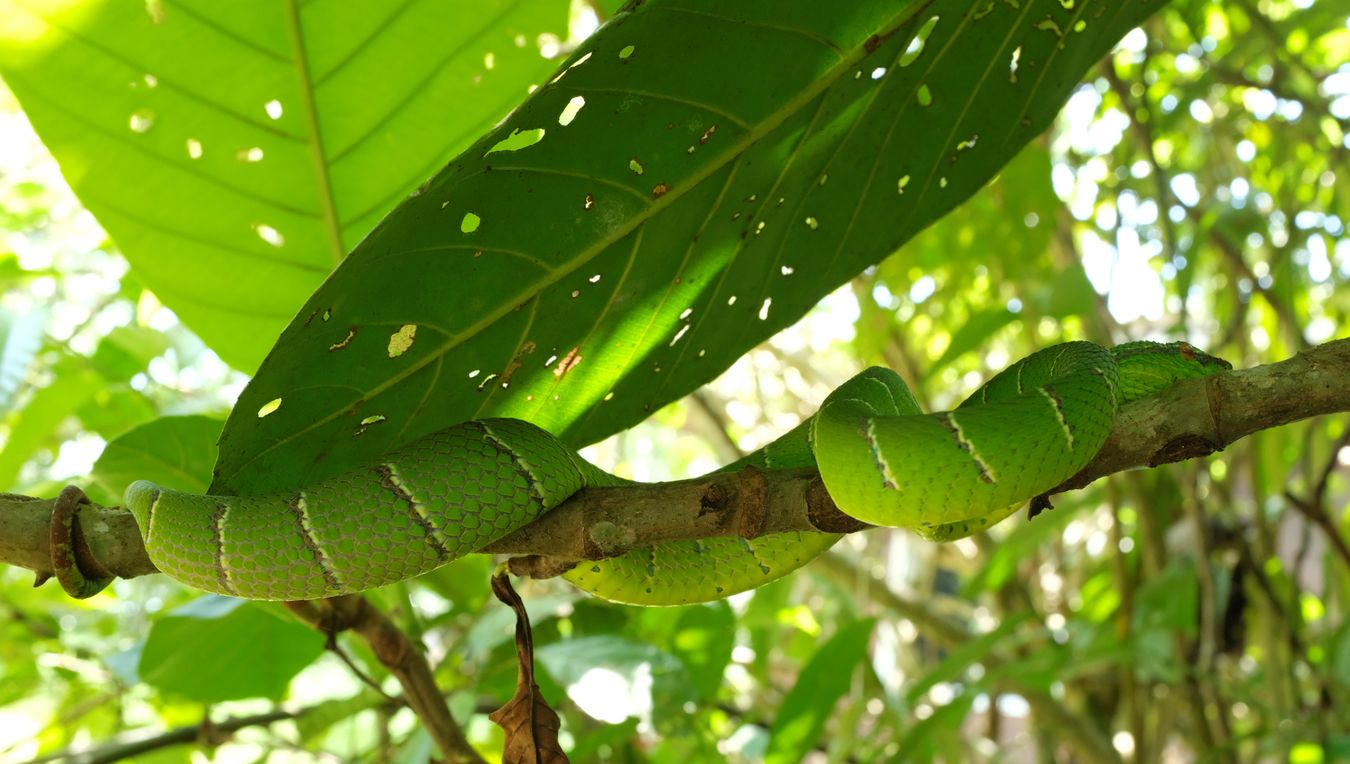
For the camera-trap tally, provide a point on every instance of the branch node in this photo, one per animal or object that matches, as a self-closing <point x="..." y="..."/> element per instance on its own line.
<point x="608" y="539"/>
<point x="714" y="499"/>
<point x="1188" y="446"/>
<point x="539" y="566"/>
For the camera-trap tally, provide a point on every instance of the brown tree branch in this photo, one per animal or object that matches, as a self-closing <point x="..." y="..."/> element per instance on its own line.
<point x="1188" y="420"/>
<point x="404" y="660"/>
<point x="208" y="732"/>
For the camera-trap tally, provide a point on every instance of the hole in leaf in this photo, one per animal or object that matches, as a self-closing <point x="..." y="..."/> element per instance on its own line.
<point x="626" y="52"/>
<point x="588" y="203"/>
<point x="679" y="334"/>
<point x="549" y="45"/>
<point x="489" y="60"/>
<point x="194" y="148"/>
<point x="517" y="140"/>
<point x="594" y="279"/>
<point x="920" y="38"/>
<point x="812" y="223"/>
<point x="764" y="309"/>
<point x="269" y="234"/>
<point x="351" y="335"/>
<point x="878" y="72"/>
<point x="470" y="222"/>
<point x="401" y="340"/>
<point x="787" y="270"/>
<point x="367" y="422"/>
<point x="568" y="363"/>
<point x="141" y="120"/>
<point x="250" y="155"/>
<point x="731" y="300"/>
<point x="569" y="111"/>
<point x="904" y="181"/>
<point x="269" y="407"/>
<point x="686" y="313"/>
<point x="708" y="133"/>
<point x="635" y="166"/>
<point x="1012" y="64"/>
<point x="273" y="109"/>
<point x="474" y="373"/>
<point x="925" y="95"/>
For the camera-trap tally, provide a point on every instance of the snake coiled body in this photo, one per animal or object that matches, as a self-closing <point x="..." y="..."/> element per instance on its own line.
<point x="883" y="461"/>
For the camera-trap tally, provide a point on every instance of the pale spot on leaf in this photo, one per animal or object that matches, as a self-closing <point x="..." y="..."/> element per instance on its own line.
<point x="401" y="340"/>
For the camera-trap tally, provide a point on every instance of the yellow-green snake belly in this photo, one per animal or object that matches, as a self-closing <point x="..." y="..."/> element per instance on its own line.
<point x="883" y="461"/>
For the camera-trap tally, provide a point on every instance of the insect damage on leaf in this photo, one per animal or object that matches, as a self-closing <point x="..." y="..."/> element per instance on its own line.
<point x="531" y="726"/>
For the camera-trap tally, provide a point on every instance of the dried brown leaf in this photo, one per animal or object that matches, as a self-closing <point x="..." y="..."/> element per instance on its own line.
<point x="531" y="726"/>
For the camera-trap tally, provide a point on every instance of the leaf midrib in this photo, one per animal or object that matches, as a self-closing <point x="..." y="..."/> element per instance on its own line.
<point x="327" y="204"/>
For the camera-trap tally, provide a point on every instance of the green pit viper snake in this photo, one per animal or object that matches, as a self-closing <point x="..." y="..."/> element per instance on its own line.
<point x="883" y="461"/>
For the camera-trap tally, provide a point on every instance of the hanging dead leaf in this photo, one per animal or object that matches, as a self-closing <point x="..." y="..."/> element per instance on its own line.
<point x="531" y="726"/>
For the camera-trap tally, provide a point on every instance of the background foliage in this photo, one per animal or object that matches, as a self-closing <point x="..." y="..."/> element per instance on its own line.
<point x="1192" y="187"/>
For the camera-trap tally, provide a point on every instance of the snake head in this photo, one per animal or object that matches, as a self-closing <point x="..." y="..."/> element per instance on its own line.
<point x="1147" y="368"/>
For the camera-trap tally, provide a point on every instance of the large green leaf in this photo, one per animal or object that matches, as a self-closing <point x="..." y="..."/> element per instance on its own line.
<point x="237" y="151"/>
<point x="701" y="174"/>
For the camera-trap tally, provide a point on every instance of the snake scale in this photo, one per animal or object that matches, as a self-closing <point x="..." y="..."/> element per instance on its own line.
<point x="883" y="461"/>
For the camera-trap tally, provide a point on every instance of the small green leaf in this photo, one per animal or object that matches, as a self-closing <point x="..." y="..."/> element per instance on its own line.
<point x="216" y="648"/>
<point x="175" y="451"/>
<point x="821" y="683"/>
<point x="703" y="639"/>
<point x="319" y="718"/>
<point x="974" y="333"/>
